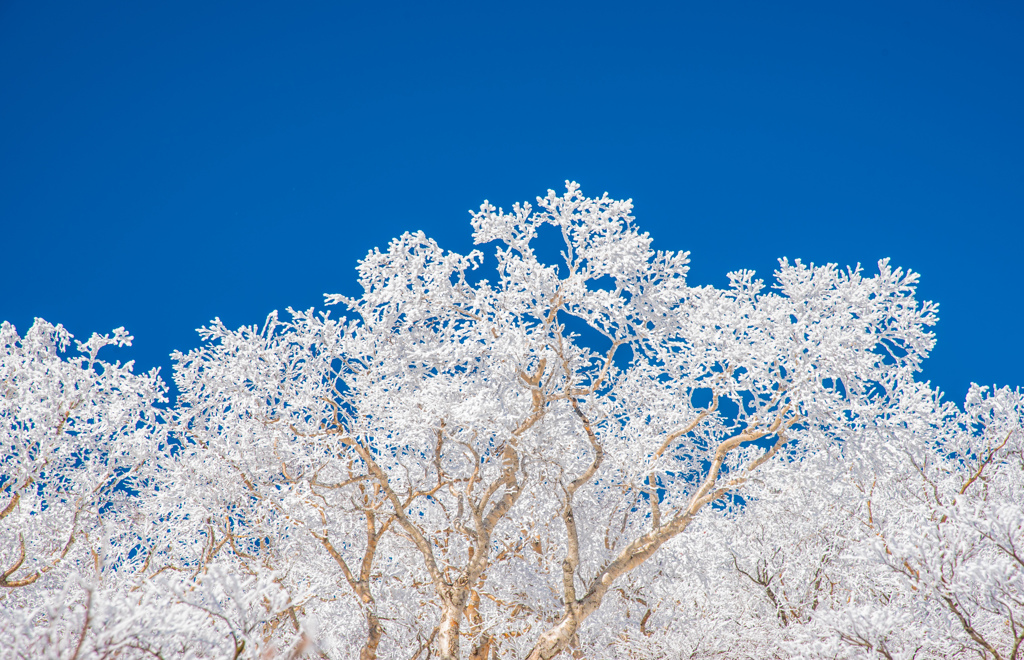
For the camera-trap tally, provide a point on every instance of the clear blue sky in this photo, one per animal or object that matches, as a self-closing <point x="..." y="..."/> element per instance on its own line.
<point x="162" y="163"/>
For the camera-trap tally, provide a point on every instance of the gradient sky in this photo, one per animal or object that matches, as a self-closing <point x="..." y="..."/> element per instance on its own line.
<point x="162" y="163"/>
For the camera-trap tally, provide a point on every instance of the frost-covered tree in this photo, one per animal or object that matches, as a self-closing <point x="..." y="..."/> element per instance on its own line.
<point x="900" y="542"/>
<point x="78" y="435"/>
<point x="583" y="455"/>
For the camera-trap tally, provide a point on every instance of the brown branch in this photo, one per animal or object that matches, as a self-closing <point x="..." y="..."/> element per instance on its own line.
<point x="672" y="437"/>
<point x="4" y="582"/>
<point x="10" y="505"/>
<point x="985" y="463"/>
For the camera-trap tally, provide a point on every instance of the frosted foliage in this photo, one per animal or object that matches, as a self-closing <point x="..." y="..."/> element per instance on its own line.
<point x="503" y="456"/>
<point x="76" y="434"/>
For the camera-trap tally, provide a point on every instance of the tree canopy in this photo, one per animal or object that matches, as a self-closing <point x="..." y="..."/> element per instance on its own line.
<point x="580" y="456"/>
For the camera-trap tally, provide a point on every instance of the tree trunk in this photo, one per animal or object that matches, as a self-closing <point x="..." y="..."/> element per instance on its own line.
<point x="373" y="636"/>
<point x="448" y="630"/>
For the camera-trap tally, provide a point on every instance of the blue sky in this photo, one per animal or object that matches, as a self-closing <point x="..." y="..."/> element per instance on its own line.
<point x="165" y="163"/>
